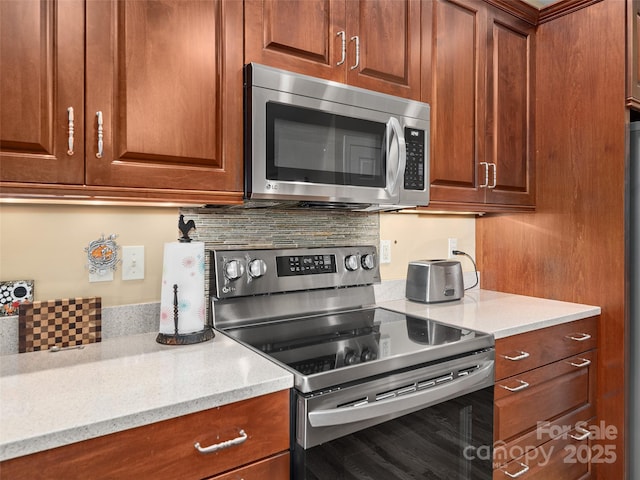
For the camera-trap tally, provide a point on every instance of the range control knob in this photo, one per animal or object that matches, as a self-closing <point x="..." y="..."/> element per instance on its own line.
<point x="368" y="261"/>
<point x="351" y="262"/>
<point x="350" y="357"/>
<point x="233" y="269"/>
<point x="257" y="268"/>
<point x="367" y="355"/>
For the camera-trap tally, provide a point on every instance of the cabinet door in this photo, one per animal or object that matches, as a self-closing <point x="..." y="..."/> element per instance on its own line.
<point x="301" y="37"/>
<point x="509" y="143"/>
<point x="167" y="79"/>
<point x="41" y="76"/>
<point x="633" y="54"/>
<point x="385" y="56"/>
<point x="457" y="110"/>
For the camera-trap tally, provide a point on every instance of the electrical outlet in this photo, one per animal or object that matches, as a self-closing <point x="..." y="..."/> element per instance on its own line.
<point x="453" y="245"/>
<point x="385" y="251"/>
<point x="133" y="263"/>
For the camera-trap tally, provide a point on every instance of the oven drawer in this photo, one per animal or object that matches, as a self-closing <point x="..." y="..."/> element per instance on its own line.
<point x="568" y="457"/>
<point x="519" y="353"/>
<point x="166" y="449"/>
<point x="543" y="394"/>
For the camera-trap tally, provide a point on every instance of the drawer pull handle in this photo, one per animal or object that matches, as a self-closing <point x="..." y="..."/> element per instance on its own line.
<point x="222" y="445"/>
<point x="521" y="356"/>
<point x="522" y="471"/>
<point x="100" y="135"/>
<point x="522" y="386"/>
<point x="579" y="337"/>
<point x="344" y="47"/>
<point x="584" y="362"/>
<point x="357" y="40"/>
<point x="584" y="434"/>
<point x="70" y="116"/>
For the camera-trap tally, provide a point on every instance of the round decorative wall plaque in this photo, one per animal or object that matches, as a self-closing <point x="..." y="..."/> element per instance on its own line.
<point x="102" y="254"/>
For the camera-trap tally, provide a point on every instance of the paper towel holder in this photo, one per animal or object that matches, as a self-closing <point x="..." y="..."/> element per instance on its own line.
<point x="176" y="338"/>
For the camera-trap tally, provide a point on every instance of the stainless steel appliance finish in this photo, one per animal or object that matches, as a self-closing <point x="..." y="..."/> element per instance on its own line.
<point x="433" y="281"/>
<point x="359" y="370"/>
<point x="322" y="143"/>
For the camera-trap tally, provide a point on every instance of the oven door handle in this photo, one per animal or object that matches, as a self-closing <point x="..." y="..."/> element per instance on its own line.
<point x="480" y="378"/>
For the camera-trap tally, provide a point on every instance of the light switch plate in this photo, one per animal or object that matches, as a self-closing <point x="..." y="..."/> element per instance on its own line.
<point x="133" y="263"/>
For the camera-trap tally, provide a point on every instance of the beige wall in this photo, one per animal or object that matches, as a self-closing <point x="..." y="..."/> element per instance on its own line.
<point x="46" y="243"/>
<point x="418" y="237"/>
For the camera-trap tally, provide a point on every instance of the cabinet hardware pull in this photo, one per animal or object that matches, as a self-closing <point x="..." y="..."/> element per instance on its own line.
<point x="522" y="386"/>
<point x="344" y="47"/>
<point x="522" y="471"/>
<point x="521" y="356"/>
<point x="584" y="434"/>
<point x="222" y="445"/>
<point x="100" y="136"/>
<point x="486" y="175"/>
<point x="357" y="40"/>
<point x="584" y="362"/>
<point x="581" y="338"/>
<point x="495" y="178"/>
<point x="70" y="116"/>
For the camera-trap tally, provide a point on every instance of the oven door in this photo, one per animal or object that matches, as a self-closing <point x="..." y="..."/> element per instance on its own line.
<point x="432" y="422"/>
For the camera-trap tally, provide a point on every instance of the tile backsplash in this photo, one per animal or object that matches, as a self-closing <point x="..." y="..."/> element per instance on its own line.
<point x="275" y="228"/>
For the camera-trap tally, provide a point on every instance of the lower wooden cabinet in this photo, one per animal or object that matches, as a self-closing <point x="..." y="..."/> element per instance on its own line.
<point x="565" y="458"/>
<point x="166" y="450"/>
<point x="276" y="468"/>
<point x="545" y="408"/>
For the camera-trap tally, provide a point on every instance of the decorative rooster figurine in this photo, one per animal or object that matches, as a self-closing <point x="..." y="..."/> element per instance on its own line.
<point x="185" y="228"/>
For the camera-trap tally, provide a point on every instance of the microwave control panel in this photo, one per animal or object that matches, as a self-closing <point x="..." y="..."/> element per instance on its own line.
<point x="414" y="171"/>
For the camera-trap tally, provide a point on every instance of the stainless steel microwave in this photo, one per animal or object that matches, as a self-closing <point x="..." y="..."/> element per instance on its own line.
<point x="322" y="143"/>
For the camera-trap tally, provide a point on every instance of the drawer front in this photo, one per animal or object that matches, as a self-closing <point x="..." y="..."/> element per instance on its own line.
<point x="274" y="468"/>
<point x="523" y="401"/>
<point x="568" y="457"/>
<point x="167" y="449"/>
<point x="526" y="351"/>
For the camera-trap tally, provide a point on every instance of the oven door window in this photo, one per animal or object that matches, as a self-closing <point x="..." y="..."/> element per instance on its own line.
<point x="451" y="440"/>
<point x="306" y="145"/>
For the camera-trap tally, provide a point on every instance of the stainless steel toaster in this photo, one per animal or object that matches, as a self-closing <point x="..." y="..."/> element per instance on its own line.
<point x="432" y="281"/>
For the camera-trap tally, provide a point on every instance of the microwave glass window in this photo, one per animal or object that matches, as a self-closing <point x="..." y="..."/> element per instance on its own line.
<point x="307" y="145"/>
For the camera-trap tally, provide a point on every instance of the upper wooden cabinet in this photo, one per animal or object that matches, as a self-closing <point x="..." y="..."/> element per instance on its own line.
<point x="41" y="76"/>
<point x="481" y="94"/>
<point x="633" y="54"/>
<point x="373" y="44"/>
<point x="156" y="93"/>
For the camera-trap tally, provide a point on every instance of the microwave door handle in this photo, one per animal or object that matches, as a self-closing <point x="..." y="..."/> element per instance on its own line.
<point x="476" y="380"/>
<point x="399" y="158"/>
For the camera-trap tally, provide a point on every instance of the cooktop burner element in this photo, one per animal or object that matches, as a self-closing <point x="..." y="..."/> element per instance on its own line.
<point x="313" y="312"/>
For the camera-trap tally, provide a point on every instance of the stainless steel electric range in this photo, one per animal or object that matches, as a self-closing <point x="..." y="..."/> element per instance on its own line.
<point x="377" y="394"/>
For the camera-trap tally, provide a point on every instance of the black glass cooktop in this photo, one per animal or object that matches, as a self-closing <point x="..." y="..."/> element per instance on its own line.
<point x="330" y="349"/>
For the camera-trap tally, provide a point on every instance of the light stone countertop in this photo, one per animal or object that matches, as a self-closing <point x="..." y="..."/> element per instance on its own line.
<point x="501" y="314"/>
<point x="53" y="399"/>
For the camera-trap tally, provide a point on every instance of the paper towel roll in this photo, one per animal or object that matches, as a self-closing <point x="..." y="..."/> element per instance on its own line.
<point x="183" y="265"/>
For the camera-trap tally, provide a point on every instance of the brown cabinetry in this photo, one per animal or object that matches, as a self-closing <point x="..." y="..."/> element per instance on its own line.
<point x="156" y="94"/>
<point x="545" y="401"/>
<point x="257" y="428"/>
<point x="481" y="93"/>
<point x="373" y="44"/>
<point x="633" y="54"/>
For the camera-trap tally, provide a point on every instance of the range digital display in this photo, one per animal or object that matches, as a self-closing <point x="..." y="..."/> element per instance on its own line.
<point x="305" y="265"/>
